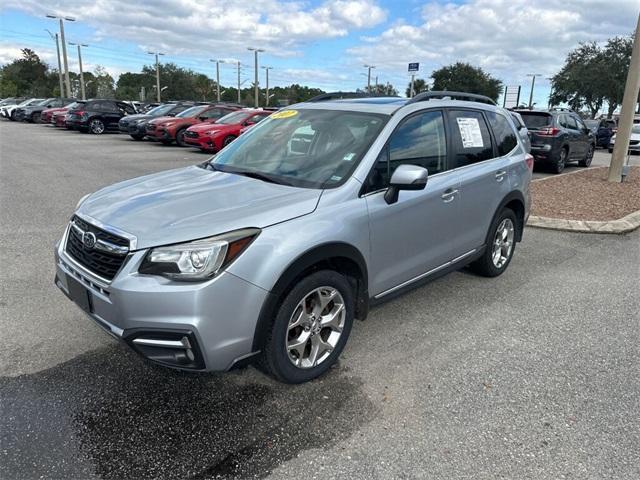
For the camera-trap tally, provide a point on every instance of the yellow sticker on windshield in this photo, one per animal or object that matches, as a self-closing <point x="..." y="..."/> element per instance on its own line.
<point x="284" y="114"/>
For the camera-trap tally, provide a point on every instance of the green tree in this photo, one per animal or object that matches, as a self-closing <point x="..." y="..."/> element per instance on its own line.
<point x="29" y="75"/>
<point x="463" y="77"/>
<point x="617" y="56"/>
<point x="419" y="85"/>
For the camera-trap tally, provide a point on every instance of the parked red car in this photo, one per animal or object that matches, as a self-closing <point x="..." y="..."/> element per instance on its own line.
<point x="58" y="116"/>
<point x="212" y="137"/>
<point x="170" y="129"/>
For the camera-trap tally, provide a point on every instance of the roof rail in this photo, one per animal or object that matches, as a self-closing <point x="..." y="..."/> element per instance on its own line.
<point x="560" y="109"/>
<point x="323" y="97"/>
<point x="469" y="97"/>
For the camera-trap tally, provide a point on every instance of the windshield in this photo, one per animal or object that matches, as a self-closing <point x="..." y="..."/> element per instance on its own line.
<point x="29" y="101"/>
<point x="304" y="148"/>
<point x="536" y="120"/>
<point x="161" y="109"/>
<point x="192" y="112"/>
<point x="75" y="105"/>
<point x="232" y="118"/>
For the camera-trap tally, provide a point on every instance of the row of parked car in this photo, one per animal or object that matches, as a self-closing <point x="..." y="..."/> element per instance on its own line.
<point x="207" y="126"/>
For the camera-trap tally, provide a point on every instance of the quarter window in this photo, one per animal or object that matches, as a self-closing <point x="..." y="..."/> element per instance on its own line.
<point x="506" y="139"/>
<point x="470" y="139"/>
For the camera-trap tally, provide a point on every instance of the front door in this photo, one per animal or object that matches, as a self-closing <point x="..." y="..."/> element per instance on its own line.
<point x="416" y="234"/>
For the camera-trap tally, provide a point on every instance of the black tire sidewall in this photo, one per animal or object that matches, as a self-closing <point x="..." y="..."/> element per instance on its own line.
<point x="275" y="348"/>
<point x="484" y="265"/>
<point x="228" y="140"/>
<point x="180" y="137"/>
<point x="561" y="163"/>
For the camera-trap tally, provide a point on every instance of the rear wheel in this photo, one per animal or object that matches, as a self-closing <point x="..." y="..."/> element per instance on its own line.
<point x="311" y="328"/>
<point x="180" y="137"/>
<point x="500" y="245"/>
<point x="96" y="126"/>
<point x="35" y="117"/>
<point x="561" y="161"/>
<point x="586" y="161"/>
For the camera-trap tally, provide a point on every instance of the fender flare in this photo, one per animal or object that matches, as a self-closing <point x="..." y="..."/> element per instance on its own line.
<point x="508" y="198"/>
<point x="304" y="261"/>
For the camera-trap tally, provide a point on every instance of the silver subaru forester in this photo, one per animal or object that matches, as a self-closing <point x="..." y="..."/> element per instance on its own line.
<point x="267" y="252"/>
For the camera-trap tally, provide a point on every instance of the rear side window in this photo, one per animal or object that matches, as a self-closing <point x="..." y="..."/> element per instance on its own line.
<point x="568" y="121"/>
<point x="536" y="120"/>
<point x="503" y="132"/>
<point x="470" y="139"/>
<point x="214" y="113"/>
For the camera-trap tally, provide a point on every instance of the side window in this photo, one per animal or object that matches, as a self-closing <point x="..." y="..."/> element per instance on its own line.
<point x="470" y="139"/>
<point x="503" y="132"/>
<point x="571" y="122"/>
<point x="256" y="118"/>
<point x="128" y="109"/>
<point x="418" y="140"/>
<point x="213" y="113"/>
<point x="580" y="123"/>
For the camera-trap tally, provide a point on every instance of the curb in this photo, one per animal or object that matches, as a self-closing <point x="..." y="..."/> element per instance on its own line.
<point x="623" y="225"/>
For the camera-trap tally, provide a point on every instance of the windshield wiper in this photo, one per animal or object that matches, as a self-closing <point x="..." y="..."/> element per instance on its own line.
<point x="259" y="176"/>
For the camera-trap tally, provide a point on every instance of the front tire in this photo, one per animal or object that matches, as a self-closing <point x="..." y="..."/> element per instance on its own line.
<point x="310" y="329"/>
<point x="180" y="137"/>
<point x="501" y="244"/>
<point x="35" y="118"/>
<point x="137" y="137"/>
<point x="96" y="126"/>
<point x="228" y="140"/>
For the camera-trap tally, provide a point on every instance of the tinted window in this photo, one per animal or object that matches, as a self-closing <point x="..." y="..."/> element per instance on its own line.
<point x="470" y="138"/>
<point x="570" y="122"/>
<point x="419" y="140"/>
<point x="214" y="113"/>
<point x="191" y="112"/>
<point x="126" y="108"/>
<point x="536" y="120"/>
<point x="503" y="133"/>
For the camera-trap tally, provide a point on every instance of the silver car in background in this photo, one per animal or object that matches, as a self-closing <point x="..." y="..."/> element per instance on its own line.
<point x="267" y="252"/>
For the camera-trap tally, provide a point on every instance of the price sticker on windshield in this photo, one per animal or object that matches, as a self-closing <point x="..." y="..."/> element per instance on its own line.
<point x="470" y="132"/>
<point x="284" y="114"/>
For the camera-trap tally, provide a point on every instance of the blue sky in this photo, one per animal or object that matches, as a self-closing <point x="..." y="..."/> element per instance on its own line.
<point x="322" y="43"/>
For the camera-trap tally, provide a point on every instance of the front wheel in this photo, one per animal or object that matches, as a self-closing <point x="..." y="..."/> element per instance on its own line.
<point x="586" y="161"/>
<point x="500" y="246"/>
<point x="180" y="138"/>
<point x="96" y="126"/>
<point x="311" y="328"/>
<point x="136" y="136"/>
<point x="35" y="118"/>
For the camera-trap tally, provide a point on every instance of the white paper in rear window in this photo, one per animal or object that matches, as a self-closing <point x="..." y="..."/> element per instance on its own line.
<point x="470" y="132"/>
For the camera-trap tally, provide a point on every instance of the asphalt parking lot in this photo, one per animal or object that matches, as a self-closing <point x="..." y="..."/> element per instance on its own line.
<point x="530" y="375"/>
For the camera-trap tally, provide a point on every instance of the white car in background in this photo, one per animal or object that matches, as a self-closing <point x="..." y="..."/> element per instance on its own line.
<point x="634" y="140"/>
<point x="7" y="110"/>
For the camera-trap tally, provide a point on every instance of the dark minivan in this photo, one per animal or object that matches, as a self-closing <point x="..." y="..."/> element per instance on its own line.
<point x="97" y="116"/>
<point x="558" y="137"/>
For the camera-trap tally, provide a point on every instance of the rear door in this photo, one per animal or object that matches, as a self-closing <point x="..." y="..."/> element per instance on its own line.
<point x="417" y="234"/>
<point x="583" y="135"/>
<point x="482" y="160"/>
<point x="576" y="149"/>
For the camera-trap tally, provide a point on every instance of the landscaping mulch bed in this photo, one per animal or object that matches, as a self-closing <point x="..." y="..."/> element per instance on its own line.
<point x="586" y="195"/>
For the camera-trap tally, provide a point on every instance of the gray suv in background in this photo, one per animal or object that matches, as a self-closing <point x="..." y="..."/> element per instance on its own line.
<point x="267" y="252"/>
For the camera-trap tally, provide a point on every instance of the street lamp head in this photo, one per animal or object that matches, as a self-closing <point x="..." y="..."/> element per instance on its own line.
<point x="70" y="19"/>
<point x="49" y="15"/>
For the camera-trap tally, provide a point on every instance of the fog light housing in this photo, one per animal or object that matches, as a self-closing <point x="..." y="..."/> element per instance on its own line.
<point x="177" y="349"/>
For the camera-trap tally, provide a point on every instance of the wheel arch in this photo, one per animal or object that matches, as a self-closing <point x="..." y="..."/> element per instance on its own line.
<point x="515" y="202"/>
<point x="339" y="256"/>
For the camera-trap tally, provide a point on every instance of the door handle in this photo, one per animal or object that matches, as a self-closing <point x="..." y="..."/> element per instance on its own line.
<point x="449" y="195"/>
<point x="500" y="175"/>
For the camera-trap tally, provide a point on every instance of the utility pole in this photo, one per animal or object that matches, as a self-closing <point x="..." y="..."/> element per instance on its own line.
<point x="217" y="62"/>
<point x="84" y="97"/>
<point x="64" y="50"/>
<point x="621" y="147"/>
<point x="369" y="67"/>
<point x="158" y="91"/>
<point x="266" y="69"/>
<point x="256" y="88"/>
<point x="411" y="89"/>
<point x="533" y="84"/>
<point x="59" y="61"/>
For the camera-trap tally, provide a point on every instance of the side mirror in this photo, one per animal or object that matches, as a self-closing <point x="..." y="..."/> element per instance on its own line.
<point x="405" y="177"/>
<point x="171" y="114"/>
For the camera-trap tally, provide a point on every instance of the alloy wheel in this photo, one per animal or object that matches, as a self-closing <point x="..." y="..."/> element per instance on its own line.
<point x="503" y="243"/>
<point x="96" y="127"/>
<point x="315" y="327"/>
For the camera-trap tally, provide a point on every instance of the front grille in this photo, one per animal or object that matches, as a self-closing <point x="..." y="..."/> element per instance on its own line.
<point x="191" y="134"/>
<point x="102" y="263"/>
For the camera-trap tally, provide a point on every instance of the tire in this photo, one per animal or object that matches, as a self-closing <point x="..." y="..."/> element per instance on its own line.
<point x="137" y="137"/>
<point x="610" y="150"/>
<point x="487" y="265"/>
<point x="586" y="161"/>
<point x="96" y="126"/>
<point x="228" y="140"/>
<point x="180" y="138"/>
<point x="297" y="365"/>
<point x="35" y="118"/>
<point x="561" y="161"/>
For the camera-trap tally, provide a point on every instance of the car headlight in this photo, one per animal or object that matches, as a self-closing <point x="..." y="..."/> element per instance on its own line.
<point x="140" y="121"/>
<point x="200" y="259"/>
<point x="82" y="200"/>
<point x="210" y="133"/>
<point x="168" y="124"/>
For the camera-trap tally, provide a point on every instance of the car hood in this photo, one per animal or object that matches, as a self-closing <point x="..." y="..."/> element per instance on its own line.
<point x="137" y="116"/>
<point x="206" y="126"/>
<point x="159" y="120"/>
<point x="191" y="203"/>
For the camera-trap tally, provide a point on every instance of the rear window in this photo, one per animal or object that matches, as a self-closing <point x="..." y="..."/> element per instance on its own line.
<point x="536" y="120"/>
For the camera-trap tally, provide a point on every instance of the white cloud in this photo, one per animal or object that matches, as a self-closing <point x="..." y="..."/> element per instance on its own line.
<point x="206" y="26"/>
<point x="508" y="38"/>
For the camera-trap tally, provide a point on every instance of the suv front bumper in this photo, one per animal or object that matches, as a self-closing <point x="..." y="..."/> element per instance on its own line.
<point x="215" y="319"/>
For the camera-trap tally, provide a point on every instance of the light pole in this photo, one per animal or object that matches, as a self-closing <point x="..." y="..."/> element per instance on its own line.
<point x="533" y="84"/>
<point x="84" y="97"/>
<point x="217" y="62"/>
<point x="256" y="90"/>
<point x="266" y="69"/>
<point x="158" y="91"/>
<point x="369" y="67"/>
<point x="64" y="50"/>
<point x="55" y="37"/>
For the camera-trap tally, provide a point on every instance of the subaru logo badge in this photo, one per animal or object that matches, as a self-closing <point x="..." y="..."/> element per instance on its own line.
<point x="89" y="240"/>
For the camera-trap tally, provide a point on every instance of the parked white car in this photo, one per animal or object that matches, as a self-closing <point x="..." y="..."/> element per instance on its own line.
<point x="634" y="140"/>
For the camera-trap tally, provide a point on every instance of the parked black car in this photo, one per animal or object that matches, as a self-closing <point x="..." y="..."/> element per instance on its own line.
<point x="32" y="113"/>
<point x="97" y="116"/>
<point x="558" y="136"/>
<point x="135" y="125"/>
<point x="603" y="129"/>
